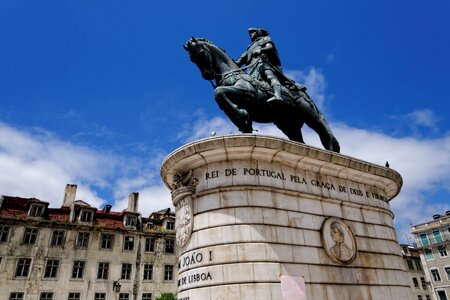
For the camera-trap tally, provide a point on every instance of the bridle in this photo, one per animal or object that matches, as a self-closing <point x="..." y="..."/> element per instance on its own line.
<point x="199" y="48"/>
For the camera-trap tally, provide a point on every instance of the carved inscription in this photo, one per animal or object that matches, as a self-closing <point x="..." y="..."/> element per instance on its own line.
<point x="278" y="175"/>
<point x="190" y="260"/>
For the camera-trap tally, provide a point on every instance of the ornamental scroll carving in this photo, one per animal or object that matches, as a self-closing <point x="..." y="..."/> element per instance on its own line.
<point x="183" y="187"/>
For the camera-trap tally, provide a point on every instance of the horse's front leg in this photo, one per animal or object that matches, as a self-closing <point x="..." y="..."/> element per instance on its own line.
<point x="224" y="96"/>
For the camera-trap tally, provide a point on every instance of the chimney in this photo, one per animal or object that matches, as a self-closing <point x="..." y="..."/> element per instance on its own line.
<point x="133" y="202"/>
<point x="107" y="209"/>
<point x="69" y="194"/>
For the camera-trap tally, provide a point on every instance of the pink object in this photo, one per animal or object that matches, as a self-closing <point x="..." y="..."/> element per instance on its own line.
<point x="293" y="288"/>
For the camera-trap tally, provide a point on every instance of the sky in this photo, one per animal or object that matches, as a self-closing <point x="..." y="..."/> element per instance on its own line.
<point x="97" y="93"/>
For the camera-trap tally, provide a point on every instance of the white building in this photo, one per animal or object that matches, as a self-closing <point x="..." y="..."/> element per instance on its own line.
<point x="433" y="239"/>
<point x="79" y="252"/>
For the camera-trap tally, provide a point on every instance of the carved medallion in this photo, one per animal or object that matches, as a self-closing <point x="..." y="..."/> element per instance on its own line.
<point x="183" y="188"/>
<point x="184" y="220"/>
<point x="338" y="241"/>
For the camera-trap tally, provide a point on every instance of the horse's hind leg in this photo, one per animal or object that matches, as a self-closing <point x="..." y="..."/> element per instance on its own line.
<point x="291" y="130"/>
<point x="238" y="116"/>
<point x="326" y="136"/>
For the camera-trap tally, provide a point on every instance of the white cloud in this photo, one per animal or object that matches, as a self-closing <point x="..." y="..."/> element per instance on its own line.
<point x="315" y="82"/>
<point x="204" y="127"/>
<point x="33" y="163"/>
<point x="37" y="165"/>
<point x="424" y="117"/>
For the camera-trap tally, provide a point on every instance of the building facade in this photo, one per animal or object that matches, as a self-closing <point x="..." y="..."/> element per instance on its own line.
<point x="419" y="285"/>
<point x="433" y="239"/>
<point x="79" y="252"/>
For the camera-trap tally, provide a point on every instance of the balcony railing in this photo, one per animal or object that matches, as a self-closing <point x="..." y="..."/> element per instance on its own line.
<point x="434" y="240"/>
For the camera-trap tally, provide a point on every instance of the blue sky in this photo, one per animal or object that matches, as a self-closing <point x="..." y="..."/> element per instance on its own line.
<point x="97" y="93"/>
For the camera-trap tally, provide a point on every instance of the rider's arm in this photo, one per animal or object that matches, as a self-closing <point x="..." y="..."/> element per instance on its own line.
<point x="242" y="60"/>
<point x="267" y="47"/>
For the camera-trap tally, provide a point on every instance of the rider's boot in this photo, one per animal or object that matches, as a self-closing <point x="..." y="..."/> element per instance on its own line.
<point x="277" y="93"/>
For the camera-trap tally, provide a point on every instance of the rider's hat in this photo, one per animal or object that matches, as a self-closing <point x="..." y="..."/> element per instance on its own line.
<point x="261" y="31"/>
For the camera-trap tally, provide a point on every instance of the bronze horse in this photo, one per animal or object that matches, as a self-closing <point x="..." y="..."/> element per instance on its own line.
<point x="244" y="99"/>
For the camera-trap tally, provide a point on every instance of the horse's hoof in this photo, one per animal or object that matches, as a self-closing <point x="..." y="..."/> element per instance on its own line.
<point x="247" y="130"/>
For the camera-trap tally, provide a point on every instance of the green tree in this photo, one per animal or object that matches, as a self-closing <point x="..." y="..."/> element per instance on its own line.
<point x="166" y="296"/>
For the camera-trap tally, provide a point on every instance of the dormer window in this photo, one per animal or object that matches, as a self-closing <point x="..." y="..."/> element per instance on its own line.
<point x="130" y="221"/>
<point x="36" y="210"/>
<point x="169" y="224"/>
<point x="86" y="216"/>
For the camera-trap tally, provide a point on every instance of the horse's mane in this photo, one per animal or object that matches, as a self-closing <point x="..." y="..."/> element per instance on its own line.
<point x="209" y="42"/>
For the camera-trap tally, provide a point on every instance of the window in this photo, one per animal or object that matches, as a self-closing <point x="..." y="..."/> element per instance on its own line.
<point x="416" y="282"/>
<point x="46" y="296"/>
<point x="170" y="225"/>
<point x="168" y="272"/>
<point x="130" y="221"/>
<point x="128" y="243"/>
<point x="424" y="239"/>
<point x="435" y="274"/>
<point x="51" y="269"/>
<point x="170" y="246"/>
<point x="78" y="269"/>
<point x="429" y="255"/>
<point x="23" y="267"/>
<point x="16" y="296"/>
<point x="4" y="231"/>
<point x="447" y="272"/>
<point x="437" y="236"/>
<point x="419" y="297"/>
<point x="441" y="295"/>
<point x="124" y="296"/>
<point x="418" y="264"/>
<point x="427" y="297"/>
<point x="126" y="271"/>
<point x="57" y="238"/>
<point x="410" y="264"/>
<point x="146" y="296"/>
<point x="30" y="235"/>
<point x="103" y="268"/>
<point x="100" y="296"/>
<point x="82" y="240"/>
<point x="149" y="245"/>
<point x="86" y="216"/>
<point x="74" y="296"/>
<point x="148" y="272"/>
<point x="424" y="283"/>
<point x="36" y="210"/>
<point x="442" y="251"/>
<point x="106" y="241"/>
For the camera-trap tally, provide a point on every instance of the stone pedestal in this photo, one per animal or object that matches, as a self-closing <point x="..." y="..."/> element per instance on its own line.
<point x="250" y="208"/>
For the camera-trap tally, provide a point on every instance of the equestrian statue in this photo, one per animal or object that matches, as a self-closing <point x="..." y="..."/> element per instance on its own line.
<point x="259" y="91"/>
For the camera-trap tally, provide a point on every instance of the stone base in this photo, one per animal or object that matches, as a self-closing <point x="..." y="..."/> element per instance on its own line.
<point x="250" y="208"/>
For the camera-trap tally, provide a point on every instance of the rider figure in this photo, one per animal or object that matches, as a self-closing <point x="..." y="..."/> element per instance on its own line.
<point x="263" y="61"/>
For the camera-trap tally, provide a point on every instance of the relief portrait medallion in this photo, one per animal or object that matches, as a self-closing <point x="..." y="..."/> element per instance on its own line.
<point x="338" y="241"/>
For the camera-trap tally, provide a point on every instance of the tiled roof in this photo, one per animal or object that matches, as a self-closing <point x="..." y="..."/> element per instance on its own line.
<point x="17" y="208"/>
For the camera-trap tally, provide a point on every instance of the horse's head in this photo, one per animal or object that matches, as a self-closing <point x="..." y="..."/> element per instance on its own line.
<point x="200" y="54"/>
